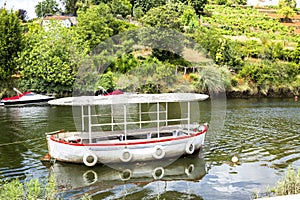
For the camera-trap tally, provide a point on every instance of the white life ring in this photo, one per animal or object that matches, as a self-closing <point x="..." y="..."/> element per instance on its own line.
<point x="190" y="148"/>
<point x="189" y="170"/>
<point x="86" y="177"/>
<point x="126" y="175"/>
<point x="126" y="155"/>
<point x="159" y="152"/>
<point x="86" y="160"/>
<point x="158" y="173"/>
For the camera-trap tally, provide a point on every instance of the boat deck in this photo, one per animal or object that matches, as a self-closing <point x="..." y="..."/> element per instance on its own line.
<point x="136" y="134"/>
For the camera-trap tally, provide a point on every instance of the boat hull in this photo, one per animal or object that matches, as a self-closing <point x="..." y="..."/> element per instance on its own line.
<point x="125" y="151"/>
<point x="29" y="101"/>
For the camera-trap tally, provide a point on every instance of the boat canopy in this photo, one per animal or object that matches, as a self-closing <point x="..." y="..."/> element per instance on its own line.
<point x="129" y="98"/>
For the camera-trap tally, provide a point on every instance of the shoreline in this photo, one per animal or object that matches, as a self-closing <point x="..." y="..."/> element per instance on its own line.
<point x="249" y="94"/>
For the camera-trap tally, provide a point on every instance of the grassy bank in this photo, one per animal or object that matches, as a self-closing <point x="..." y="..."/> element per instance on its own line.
<point x="32" y="190"/>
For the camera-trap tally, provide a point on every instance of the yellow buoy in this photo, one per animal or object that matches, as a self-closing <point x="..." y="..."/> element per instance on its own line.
<point x="234" y="159"/>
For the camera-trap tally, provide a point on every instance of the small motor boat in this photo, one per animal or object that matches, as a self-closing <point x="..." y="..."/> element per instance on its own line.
<point x="25" y="98"/>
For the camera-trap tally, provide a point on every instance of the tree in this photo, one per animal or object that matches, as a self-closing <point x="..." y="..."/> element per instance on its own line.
<point x="198" y="5"/>
<point x="11" y="42"/>
<point x="46" y="7"/>
<point x="71" y="6"/>
<point x="287" y="8"/>
<point x="97" y="24"/>
<point x="147" y="5"/>
<point x="120" y="7"/>
<point x="93" y="25"/>
<point x="50" y="61"/>
<point x="168" y="17"/>
<point x="22" y="14"/>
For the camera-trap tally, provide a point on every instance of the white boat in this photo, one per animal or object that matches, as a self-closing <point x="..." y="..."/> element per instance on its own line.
<point x="25" y="98"/>
<point x="105" y="138"/>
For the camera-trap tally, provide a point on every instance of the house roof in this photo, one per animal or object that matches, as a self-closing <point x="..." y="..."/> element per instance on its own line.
<point x="72" y="19"/>
<point x="56" y="17"/>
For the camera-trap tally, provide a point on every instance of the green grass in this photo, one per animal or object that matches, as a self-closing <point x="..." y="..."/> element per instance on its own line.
<point x="31" y="190"/>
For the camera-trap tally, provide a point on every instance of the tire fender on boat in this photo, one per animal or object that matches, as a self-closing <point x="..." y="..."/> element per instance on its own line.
<point x="86" y="177"/>
<point x="126" y="155"/>
<point x="190" y="148"/>
<point x="86" y="160"/>
<point x="158" y="173"/>
<point x="189" y="170"/>
<point x="126" y="175"/>
<point x="159" y="152"/>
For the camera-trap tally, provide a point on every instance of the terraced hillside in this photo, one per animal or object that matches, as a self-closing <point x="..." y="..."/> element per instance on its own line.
<point x="247" y="21"/>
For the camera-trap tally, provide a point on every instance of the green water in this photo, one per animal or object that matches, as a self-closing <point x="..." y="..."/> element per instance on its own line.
<point x="262" y="133"/>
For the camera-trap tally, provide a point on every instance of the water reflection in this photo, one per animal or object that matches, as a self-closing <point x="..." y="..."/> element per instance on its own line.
<point x="141" y="176"/>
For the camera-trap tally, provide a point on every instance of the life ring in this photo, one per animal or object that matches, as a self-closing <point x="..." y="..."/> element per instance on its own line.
<point x="126" y="175"/>
<point x="159" y="152"/>
<point x="188" y="170"/>
<point x="87" y="177"/>
<point x="158" y="173"/>
<point x="126" y="155"/>
<point x="86" y="159"/>
<point x="190" y="148"/>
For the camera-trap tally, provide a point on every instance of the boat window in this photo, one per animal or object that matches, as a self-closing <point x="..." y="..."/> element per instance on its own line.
<point x="29" y="94"/>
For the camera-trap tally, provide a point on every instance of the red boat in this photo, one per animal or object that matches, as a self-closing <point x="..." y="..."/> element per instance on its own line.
<point x="25" y="98"/>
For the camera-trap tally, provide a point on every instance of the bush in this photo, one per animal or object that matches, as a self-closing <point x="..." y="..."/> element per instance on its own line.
<point x="33" y="189"/>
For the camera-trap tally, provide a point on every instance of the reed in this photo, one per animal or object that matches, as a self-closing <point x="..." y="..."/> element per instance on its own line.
<point x="290" y="183"/>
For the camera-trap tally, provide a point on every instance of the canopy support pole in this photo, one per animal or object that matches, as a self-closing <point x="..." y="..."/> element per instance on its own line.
<point x="166" y="113"/>
<point x="90" y="124"/>
<point x="82" y="119"/>
<point x="157" y="114"/>
<point x="112" y="117"/>
<point x="125" y="122"/>
<point x="189" y="116"/>
<point x="140" y="115"/>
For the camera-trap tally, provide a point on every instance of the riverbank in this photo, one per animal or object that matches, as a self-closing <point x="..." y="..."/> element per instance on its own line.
<point x="286" y="197"/>
<point x="283" y="93"/>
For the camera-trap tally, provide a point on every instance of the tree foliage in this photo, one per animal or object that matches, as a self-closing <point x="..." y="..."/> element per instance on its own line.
<point x="147" y="5"/>
<point x="198" y="5"/>
<point x="221" y="50"/>
<point x="287" y="8"/>
<point x="94" y="25"/>
<point x="50" y="61"/>
<point x="120" y="7"/>
<point x="71" y="6"/>
<point x="11" y="42"/>
<point x="97" y="23"/>
<point x="22" y="14"/>
<point x="46" y="7"/>
<point x="166" y="16"/>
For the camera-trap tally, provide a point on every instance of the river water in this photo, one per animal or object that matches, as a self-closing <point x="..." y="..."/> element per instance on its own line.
<point x="262" y="133"/>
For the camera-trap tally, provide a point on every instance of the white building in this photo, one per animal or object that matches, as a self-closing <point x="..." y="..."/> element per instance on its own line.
<point x="267" y="3"/>
<point x="66" y="21"/>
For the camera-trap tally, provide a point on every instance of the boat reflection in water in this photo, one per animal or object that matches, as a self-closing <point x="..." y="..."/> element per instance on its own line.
<point x="74" y="177"/>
